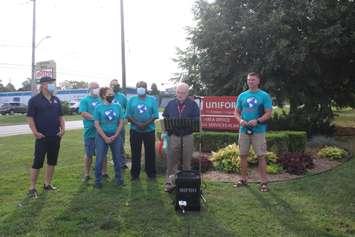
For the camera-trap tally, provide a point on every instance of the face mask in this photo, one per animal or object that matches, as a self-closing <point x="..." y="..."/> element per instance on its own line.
<point x="141" y="91"/>
<point x="95" y="92"/>
<point x="109" y="98"/>
<point x="51" y="87"/>
<point x="116" y="88"/>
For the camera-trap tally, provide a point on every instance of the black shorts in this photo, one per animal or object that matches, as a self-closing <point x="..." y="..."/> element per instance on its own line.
<point x="46" y="146"/>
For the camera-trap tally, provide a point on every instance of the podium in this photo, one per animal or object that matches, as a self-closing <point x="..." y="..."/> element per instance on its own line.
<point x="188" y="182"/>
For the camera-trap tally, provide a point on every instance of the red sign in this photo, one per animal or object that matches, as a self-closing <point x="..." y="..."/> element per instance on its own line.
<point x="218" y="113"/>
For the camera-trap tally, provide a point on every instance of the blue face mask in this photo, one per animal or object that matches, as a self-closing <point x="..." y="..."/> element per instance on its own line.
<point x="141" y="91"/>
<point x="51" y="87"/>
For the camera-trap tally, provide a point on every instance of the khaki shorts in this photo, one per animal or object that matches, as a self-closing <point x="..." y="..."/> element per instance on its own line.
<point x="257" y="140"/>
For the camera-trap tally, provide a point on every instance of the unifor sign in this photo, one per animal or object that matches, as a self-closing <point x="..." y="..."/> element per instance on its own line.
<point x="218" y="113"/>
<point x="45" y="69"/>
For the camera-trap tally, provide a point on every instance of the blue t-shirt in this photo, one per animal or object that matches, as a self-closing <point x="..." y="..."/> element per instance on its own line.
<point x="109" y="116"/>
<point x="121" y="99"/>
<point x="252" y="105"/>
<point x="88" y="105"/>
<point x="141" y="110"/>
<point x="46" y="114"/>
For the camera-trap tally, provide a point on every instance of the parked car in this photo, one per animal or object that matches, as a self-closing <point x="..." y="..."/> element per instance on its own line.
<point x="74" y="106"/>
<point x="13" y="107"/>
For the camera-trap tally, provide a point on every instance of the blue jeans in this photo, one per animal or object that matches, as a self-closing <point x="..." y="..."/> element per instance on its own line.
<point x="101" y="152"/>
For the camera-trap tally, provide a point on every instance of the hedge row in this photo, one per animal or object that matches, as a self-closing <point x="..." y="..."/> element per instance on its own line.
<point x="277" y="141"/>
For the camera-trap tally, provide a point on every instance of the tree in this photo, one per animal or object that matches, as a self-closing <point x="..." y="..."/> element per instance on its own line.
<point x="2" y="88"/>
<point x="305" y="50"/>
<point x="74" y="84"/>
<point x="9" y="87"/>
<point x="26" y="85"/>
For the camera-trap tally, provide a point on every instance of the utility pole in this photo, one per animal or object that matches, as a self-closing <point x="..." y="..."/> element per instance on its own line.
<point x="123" y="51"/>
<point x="33" y="64"/>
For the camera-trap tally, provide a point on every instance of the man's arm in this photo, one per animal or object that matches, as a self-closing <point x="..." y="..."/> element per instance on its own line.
<point x="62" y="126"/>
<point x="87" y="115"/>
<point x="239" y="118"/>
<point x="33" y="128"/>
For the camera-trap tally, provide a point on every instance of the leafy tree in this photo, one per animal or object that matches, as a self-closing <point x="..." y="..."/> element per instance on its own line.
<point x="74" y="84"/>
<point x="26" y="85"/>
<point x="9" y="87"/>
<point x="304" y="48"/>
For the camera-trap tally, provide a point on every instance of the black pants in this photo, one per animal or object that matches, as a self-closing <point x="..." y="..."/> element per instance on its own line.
<point x="136" y="140"/>
<point x="46" y="146"/>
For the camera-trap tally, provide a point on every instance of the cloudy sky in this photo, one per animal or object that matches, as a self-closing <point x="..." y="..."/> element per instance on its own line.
<point x="85" y="38"/>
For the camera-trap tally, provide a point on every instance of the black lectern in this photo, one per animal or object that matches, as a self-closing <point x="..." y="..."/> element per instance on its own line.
<point x="188" y="182"/>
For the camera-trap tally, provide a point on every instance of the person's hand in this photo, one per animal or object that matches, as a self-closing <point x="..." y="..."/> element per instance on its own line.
<point x="107" y="140"/>
<point x="141" y="125"/>
<point x="243" y="123"/>
<point x="253" y="122"/>
<point x="61" y="132"/>
<point x="38" y="135"/>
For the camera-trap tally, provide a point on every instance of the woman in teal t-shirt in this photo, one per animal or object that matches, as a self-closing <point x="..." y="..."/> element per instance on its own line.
<point x="108" y="122"/>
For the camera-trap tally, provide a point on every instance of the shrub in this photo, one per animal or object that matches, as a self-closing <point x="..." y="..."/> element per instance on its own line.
<point x="277" y="142"/>
<point x="296" y="163"/>
<point x="65" y="107"/>
<point x="271" y="158"/>
<point x="321" y="141"/>
<point x="273" y="168"/>
<point x="332" y="152"/>
<point x="206" y="164"/>
<point x="227" y="159"/>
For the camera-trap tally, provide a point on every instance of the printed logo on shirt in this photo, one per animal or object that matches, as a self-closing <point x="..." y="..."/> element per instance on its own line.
<point x="142" y="108"/>
<point x="94" y="103"/>
<point x="252" y="101"/>
<point x="110" y="114"/>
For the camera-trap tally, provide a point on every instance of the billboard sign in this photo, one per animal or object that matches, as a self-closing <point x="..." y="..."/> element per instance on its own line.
<point x="45" y="69"/>
<point x="218" y="113"/>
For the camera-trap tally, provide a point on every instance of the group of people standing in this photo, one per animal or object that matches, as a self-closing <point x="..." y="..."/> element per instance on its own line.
<point x="105" y="110"/>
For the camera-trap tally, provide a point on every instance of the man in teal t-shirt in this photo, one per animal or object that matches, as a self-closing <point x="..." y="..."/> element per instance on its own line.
<point x="141" y="112"/>
<point x="120" y="99"/>
<point x="86" y="109"/>
<point x="253" y="109"/>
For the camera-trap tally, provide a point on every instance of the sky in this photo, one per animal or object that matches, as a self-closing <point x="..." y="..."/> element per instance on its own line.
<point x="85" y="40"/>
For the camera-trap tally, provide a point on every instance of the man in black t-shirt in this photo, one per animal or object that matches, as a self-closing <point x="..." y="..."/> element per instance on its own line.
<point x="45" y="118"/>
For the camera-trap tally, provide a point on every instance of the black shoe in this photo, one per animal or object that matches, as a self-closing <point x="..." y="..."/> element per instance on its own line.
<point x="86" y="179"/>
<point x="105" y="176"/>
<point x="124" y="167"/>
<point x="49" y="187"/>
<point x="32" y="193"/>
<point x="98" y="185"/>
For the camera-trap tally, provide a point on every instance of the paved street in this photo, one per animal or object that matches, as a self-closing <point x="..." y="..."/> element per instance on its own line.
<point x="25" y="129"/>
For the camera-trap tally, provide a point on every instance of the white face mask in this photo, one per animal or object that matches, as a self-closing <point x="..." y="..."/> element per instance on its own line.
<point x="95" y="92"/>
<point x="141" y="91"/>
<point x="51" y="87"/>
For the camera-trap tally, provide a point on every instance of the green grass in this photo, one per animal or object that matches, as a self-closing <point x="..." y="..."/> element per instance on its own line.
<point x="321" y="205"/>
<point x="21" y="119"/>
<point x="345" y="118"/>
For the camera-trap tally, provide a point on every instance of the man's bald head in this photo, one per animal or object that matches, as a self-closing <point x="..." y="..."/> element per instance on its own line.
<point x="93" y="85"/>
<point x="182" y="92"/>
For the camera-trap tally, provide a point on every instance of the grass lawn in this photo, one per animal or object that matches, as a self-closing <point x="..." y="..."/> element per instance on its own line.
<point x="345" y="118"/>
<point x="21" y="119"/>
<point x="321" y="205"/>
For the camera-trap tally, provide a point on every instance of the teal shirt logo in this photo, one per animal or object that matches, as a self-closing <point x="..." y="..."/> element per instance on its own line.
<point x="142" y="108"/>
<point x="110" y="114"/>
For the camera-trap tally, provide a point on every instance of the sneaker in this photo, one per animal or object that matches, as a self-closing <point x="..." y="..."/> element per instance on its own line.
<point x="32" y="193"/>
<point x="105" y="176"/>
<point x="49" y="187"/>
<point x="98" y="185"/>
<point x="86" y="179"/>
<point x="124" y="167"/>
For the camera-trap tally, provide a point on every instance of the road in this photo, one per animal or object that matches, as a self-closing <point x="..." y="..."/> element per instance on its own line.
<point x="25" y="129"/>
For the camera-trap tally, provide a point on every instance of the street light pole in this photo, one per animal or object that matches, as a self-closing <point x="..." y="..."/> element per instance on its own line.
<point x="123" y="53"/>
<point x="33" y="79"/>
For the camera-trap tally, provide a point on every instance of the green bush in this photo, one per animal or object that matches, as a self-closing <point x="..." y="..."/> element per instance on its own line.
<point x="277" y="142"/>
<point x="274" y="168"/>
<point x="227" y="159"/>
<point x="65" y="107"/>
<point x="332" y="152"/>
